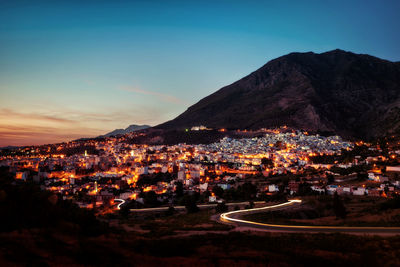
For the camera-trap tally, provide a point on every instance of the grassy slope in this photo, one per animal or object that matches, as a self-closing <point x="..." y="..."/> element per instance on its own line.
<point x="245" y="249"/>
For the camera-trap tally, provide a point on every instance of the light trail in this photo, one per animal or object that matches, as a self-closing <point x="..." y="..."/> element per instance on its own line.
<point x="120" y="204"/>
<point x="298" y="228"/>
<point x="200" y="206"/>
<point x="225" y="216"/>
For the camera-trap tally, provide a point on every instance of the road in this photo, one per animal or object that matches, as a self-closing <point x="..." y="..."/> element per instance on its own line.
<point x="233" y="217"/>
<point x="120" y="204"/>
<point x="200" y="206"/>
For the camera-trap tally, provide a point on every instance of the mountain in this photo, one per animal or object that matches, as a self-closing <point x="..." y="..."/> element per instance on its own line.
<point x="353" y="95"/>
<point x="8" y="147"/>
<point x="131" y="128"/>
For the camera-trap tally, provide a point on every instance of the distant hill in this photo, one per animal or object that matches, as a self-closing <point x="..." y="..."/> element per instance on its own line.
<point x="353" y="95"/>
<point x="131" y="128"/>
<point x="8" y="147"/>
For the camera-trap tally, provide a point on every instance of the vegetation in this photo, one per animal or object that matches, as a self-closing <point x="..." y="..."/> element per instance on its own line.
<point x="52" y="231"/>
<point x="25" y="206"/>
<point x="244" y="249"/>
<point x="170" y="225"/>
<point x="221" y="207"/>
<point x="393" y="203"/>
<point x="244" y="192"/>
<point x="190" y="204"/>
<point x="338" y="207"/>
<point x="153" y="179"/>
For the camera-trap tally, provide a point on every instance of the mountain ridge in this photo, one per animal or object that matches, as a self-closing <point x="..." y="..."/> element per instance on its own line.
<point x="129" y="129"/>
<point x="353" y="95"/>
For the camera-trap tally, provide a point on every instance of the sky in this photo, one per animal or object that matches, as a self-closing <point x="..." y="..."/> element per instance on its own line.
<point x="71" y="69"/>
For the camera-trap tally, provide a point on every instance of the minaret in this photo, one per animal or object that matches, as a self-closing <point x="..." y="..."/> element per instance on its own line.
<point x="95" y="186"/>
<point x="86" y="153"/>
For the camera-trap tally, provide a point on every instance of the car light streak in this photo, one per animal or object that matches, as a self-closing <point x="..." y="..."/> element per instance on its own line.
<point x="120" y="204"/>
<point x="225" y="217"/>
<point x="183" y="207"/>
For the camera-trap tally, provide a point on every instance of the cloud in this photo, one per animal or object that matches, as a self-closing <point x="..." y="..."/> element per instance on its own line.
<point x="46" y="136"/>
<point x="163" y="97"/>
<point x="59" y="117"/>
<point x="32" y="116"/>
<point x="52" y="124"/>
<point x="27" y="128"/>
<point x="33" y="135"/>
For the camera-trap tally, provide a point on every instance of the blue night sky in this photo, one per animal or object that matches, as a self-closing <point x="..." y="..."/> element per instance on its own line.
<point x="71" y="69"/>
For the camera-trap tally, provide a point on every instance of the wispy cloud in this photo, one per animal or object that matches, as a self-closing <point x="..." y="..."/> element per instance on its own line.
<point x="36" y="136"/>
<point x="161" y="96"/>
<point x="32" y="135"/>
<point x="5" y="112"/>
<point x="60" y="117"/>
<point x="39" y="125"/>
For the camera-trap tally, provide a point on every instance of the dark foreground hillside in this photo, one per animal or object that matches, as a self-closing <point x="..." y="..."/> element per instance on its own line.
<point x="49" y="248"/>
<point x="24" y="206"/>
<point x="39" y="229"/>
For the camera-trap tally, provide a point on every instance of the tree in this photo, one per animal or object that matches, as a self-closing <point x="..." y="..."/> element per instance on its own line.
<point x="170" y="211"/>
<point x="218" y="191"/>
<point x="338" y="207"/>
<point x="221" y="207"/>
<point x="205" y="196"/>
<point x="362" y="176"/>
<point x="179" y="189"/>
<point x="124" y="211"/>
<point x="305" y="190"/>
<point x="267" y="162"/>
<point x="150" y="199"/>
<point x="231" y="194"/>
<point x="249" y="191"/>
<point x="25" y="205"/>
<point x="190" y="204"/>
<point x="251" y="204"/>
<point x="331" y="178"/>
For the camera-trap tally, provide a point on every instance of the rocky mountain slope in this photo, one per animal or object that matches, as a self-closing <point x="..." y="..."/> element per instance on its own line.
<point x="353" y="95"/>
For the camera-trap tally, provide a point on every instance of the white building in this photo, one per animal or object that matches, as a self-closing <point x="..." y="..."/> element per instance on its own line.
<point x="203" y="187"/>
<point x="181" y="175"/>
<point x="273" y="188"/>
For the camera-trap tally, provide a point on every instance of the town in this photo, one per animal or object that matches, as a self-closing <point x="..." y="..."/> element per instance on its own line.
<point x="95" y="173"/>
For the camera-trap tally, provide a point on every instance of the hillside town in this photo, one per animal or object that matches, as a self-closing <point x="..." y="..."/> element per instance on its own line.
<point x="95" y="173"/>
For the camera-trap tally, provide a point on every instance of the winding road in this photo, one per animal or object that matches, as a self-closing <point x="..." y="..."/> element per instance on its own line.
<point x="201" y="206"/>
<point x="120" y="204"/>
<point x="233" y="217"/>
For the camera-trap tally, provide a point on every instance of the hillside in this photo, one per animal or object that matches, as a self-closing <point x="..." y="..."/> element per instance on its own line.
<point x="131" y="128"/>
<point x="353" y="95"/>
